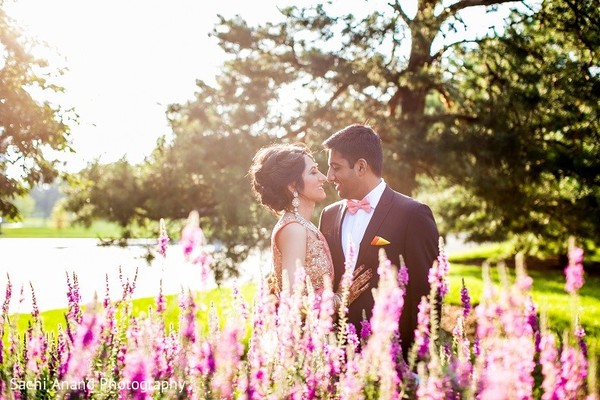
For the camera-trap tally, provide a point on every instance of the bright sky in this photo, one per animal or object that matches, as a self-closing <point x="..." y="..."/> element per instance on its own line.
<point x="129" y="59"/>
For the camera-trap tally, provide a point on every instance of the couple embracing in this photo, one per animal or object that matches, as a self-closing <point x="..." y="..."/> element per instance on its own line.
<point x="287" y="180"/>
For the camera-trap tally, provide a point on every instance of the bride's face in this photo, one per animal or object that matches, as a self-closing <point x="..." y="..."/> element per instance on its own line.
<point x="313" y="181"/>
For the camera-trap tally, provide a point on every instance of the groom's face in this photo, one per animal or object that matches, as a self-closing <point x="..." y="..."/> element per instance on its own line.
<point x="342" y="175"/>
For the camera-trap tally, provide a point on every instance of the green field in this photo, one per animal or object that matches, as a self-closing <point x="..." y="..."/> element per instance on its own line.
<point x="37" y="228"/>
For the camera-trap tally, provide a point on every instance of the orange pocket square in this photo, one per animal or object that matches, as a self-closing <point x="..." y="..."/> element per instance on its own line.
<point x="379" y="241"/>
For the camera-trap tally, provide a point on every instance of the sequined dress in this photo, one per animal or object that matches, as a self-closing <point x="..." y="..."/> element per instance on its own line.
<point x="318" y="263"/>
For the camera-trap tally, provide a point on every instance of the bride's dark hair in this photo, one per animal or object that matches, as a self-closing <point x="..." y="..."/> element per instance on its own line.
<point x="273" y="169"/>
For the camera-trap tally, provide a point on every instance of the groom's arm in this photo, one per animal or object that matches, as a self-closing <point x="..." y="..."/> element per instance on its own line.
<point x="421" y="250"/>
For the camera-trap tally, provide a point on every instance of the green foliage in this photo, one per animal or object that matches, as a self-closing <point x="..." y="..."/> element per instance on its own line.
<point x="110" y="191"/>
<point x="29" y="127"/>
<point x="527" y="165"/>
<point x="217" y="155"/>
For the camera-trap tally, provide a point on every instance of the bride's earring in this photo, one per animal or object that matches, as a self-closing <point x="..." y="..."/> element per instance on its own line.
<point x="295" y="202"/>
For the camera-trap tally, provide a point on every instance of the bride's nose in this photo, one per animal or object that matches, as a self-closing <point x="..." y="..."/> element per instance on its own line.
<point x="322" y="177"/>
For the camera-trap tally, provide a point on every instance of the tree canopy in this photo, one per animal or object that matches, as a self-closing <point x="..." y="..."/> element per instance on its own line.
<point x="530" y="161"/>
<point x="29" y="127"/>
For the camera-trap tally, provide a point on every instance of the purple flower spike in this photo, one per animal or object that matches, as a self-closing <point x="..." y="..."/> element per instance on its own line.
<point x="160" y="300"/>
<point x="163" y="239"/>
<point x="465" y="299"/>
<point x="574" y="271"/>
<point x="191" y="235"/>
<point x="365" y="329"/>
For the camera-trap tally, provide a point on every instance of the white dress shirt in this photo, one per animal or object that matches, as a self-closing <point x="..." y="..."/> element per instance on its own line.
<point x="355" y="225"/>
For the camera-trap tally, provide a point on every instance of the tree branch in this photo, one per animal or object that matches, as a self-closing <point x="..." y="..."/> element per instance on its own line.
<point x="398" y="8"/>
<point x="395" y="99"/>
<point x="444" y="49"/>
<point x="456" y="7"/>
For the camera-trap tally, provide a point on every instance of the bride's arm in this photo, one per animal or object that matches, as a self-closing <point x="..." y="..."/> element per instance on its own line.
<point x="291" y="242"/>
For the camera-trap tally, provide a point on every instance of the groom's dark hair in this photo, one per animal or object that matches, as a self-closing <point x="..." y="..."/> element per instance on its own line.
<point x="355" y="142"/>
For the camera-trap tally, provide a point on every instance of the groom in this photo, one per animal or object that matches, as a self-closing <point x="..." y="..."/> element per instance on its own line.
<point x="355" y="168"/>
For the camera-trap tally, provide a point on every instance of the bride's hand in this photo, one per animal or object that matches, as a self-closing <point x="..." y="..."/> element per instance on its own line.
<point x="360" y="282"/>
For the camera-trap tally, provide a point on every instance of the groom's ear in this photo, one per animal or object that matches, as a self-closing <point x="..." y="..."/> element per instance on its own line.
<point x="361" y="166"/>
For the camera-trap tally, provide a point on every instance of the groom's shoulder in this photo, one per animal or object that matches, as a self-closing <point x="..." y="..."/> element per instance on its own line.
<point x="403" y="200"/>
<point x="334" y="207"/>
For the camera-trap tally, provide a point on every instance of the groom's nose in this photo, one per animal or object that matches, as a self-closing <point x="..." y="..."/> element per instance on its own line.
<point x="330" y="175"/>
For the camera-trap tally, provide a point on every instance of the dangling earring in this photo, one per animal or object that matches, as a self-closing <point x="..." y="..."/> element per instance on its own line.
<point x="295" y="202"/>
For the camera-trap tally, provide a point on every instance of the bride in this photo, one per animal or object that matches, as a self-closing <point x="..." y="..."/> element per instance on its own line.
<point x="286" y="180"/>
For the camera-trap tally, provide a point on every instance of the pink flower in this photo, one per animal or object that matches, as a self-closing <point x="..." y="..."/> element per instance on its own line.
<point x="365" y="329"/>
<point x="550" y="370"/>
<point x="7" y="296"/>
<point x="36" y="348"/>
<point x="163" y="239"/>
<point x="574" y="271"/>
<point x="137" y="383"/>
<point x="85" y="343"/>
<point x="193" y="243"/>
<point x="465" y="299"/>
<point x="580" y="335"/>
<point x="191" y="235"/>
<point x="74" y="299"/>
<point x="422" y="330"/>
<point x="160" y="300"/>
<point x="573" y="373"/>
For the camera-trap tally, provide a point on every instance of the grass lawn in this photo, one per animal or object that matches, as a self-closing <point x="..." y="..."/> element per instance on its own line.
<point x="41" y="229"/>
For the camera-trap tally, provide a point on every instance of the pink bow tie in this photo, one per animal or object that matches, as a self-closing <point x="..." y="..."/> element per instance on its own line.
<point x="354" y="206"/>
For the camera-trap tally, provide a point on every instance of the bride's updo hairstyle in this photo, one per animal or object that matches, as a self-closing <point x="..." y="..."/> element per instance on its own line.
<point x="273" y="169"/>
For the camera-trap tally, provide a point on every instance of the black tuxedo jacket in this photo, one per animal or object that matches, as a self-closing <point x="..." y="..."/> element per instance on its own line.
<point x="410" y="228"/>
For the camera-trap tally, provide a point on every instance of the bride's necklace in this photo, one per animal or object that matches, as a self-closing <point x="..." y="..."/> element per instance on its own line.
<point x="306" y="223"/>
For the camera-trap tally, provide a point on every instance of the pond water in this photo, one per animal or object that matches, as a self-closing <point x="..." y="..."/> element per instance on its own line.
<point x="44" y="263"/>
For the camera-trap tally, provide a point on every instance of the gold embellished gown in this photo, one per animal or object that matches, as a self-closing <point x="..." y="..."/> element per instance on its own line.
<point x="318" y="263"/>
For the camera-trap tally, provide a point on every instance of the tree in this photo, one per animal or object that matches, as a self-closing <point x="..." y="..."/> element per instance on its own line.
<point x="529" y="165"/>
<point x="217" y="150"/>
<point x="112" y="192"/>
<point x="28" y="127"/>
<point x="351" y="69"/>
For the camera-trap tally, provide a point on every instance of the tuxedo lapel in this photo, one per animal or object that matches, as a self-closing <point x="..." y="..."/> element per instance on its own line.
<point x="379" y="215"/>
<point x="338" y="226"/>
<point x="336" y="246"/>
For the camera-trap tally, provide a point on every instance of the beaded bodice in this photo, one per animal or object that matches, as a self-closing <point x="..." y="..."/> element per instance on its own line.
<point x="317" y="264"/>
